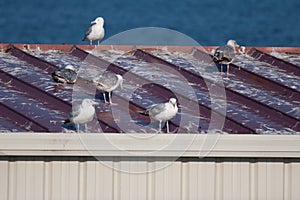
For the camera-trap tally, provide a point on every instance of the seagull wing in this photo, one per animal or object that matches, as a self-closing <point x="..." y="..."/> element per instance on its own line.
<point x="106" y="80"/>
<point x="75" y="111"/>
<point x="224" y="53"/>
<point x="87" y="33"/>
<point x="157" y="109"/>
<point x="67" y="74"/>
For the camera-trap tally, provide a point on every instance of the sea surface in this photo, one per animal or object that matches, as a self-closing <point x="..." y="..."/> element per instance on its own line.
<point x="207" y="22"/>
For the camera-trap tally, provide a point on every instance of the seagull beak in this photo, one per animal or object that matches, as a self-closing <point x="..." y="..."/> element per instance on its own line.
<point x="181" y="107"/>
<point x="93" y="22"/>
<point x="95" y="103"/>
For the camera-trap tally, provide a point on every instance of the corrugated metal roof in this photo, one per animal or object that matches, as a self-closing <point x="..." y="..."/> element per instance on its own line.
<point x="261" y="95"/>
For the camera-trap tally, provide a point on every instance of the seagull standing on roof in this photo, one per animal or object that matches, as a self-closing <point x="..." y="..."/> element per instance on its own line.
<point x="95" y="31"/>
<point x="66" y="74"/>
<point x="163" y="112"/>
<point x="107" y="82"/>
<point x="225" y="54"/>
<point x="82" y="113"/>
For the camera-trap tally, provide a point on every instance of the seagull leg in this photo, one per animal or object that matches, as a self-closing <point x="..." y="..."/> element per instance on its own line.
<point x="104" y="96"/>
<point x="109" y="97"/>
<point x="221" y="69"/>
<point x="98" y="42"/>
<point x="110" y="101"/>
<point x="159" y="127"/>
<point x="228" y="69"/>
<point x="77" y="127"/>
<point x="85" y="127"/>
<point x="228" y="65"/>
<point x="167" y="126"/>
<point x="91" y="42"/>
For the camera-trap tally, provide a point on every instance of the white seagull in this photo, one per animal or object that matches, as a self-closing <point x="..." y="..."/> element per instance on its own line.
<point x="82" y="113"/>
<point x="95" y="31"/>
<point x="66" y="74"/>
<point x="163" y="112"/>
<point x="225" y="54"/>
<point x="107" y="82"/>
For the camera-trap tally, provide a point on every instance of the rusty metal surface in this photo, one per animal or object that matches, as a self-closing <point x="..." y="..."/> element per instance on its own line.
<point x="231" y="125"/>
<point x="232" y="96"/>
<point x="281" y="64"/>
<point x="54" y="101"/>
<point x="255" y="79"/>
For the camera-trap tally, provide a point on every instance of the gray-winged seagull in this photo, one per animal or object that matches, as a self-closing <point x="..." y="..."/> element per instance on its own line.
<point x="82" y="113"/>
<point x="95" y="31"/>
<point x="225" y="54"/>
<point x="66" y="74"/>
<point x="107" y="82"/>
<point x="163" y="112"/>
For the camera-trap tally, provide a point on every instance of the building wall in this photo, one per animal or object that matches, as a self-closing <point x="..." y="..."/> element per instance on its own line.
<point x="83" y="178"/>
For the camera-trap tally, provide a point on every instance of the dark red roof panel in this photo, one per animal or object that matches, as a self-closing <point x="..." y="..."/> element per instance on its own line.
<point x="261" y="94"/>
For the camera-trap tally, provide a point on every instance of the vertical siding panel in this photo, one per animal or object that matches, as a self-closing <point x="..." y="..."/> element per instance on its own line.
<point x="287" y="181"/>
<point x="227" y="182"/>
<point x="34" y="180"/>
<point x="151" y="180"/>
<point x="236" y="181"/>
<point x="133" y="180"/>
<point x="173" y="181"/>
<point x="72" y="181"/>
<point x="4" y="178"/>
<point x="185" y="181"/>
<point x="125" y="190"/>
<point x="140" y="178"/>
<point x="47" y="180"/>
<point x="262" y="180"/>
<point x="90" y="180"/>
<point x="12" y="182"/>
<point x="82" y="180"/>
<point x="195" y="191"/>
<point x="275" y="180"/>
<point x="295" y="183"/>
<point x="65" y="180"/>
<point x="219" y="180"/>
<point x="117" y="180"/>
<point x="206" y="180"/>
<point x="160" y="184"/>
<point x="104" y="180"/>
<point x="240" y="180"/>
<point x="253" y="181"/>
<point x="21" y="180"/>
<point x="56" y="184"/>
<point x="50" y="179"/>
<point x="244" y="180"/>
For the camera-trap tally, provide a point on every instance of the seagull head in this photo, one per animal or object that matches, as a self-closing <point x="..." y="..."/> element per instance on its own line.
<point x="71" y="67"/>
<point x="173" y="101"/>
<point x="120" y="80"/>
<point x="99" y="21"/>
<point x="232" y="43"/>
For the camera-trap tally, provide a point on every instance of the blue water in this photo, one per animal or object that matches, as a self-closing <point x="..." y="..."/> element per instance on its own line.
<point x="209" y="22"/>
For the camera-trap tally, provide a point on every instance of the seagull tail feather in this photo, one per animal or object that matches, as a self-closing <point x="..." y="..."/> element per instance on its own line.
<point x="67" y="121"/>
<point x="143" y="112"/>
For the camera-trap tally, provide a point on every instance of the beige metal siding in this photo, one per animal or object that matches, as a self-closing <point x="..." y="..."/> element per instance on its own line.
<point x="50" y="178"/>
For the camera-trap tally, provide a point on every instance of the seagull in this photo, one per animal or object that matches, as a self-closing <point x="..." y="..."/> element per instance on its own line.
<point x="82" y="113"/>
<point x="225" y="54"/>
<point x="66" y="74"/>
<point x="107" y="82"/>
<point x="163" y="112"/>
<point x="95" y="31"/>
